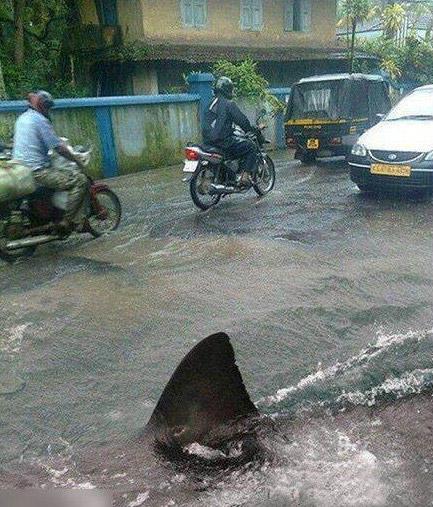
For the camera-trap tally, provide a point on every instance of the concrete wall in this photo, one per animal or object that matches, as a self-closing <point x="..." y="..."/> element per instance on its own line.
<point x="131" y="15"/>
<point x="88" y="12"/>
<point x="127" y="134"/>
<point x="78" y="125"/>
<point x="153" y="136"/>
<point x="162" y="20"/>
<point x="144" y="80"/>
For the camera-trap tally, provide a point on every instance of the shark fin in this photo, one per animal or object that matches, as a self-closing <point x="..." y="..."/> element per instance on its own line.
<point x="205" y="393"/>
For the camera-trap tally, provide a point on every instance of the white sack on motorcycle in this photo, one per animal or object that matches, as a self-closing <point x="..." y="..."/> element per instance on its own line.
<point x="16" y="180"/>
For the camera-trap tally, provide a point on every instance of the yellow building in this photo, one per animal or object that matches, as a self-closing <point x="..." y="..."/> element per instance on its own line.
<point x="155" y="42"/>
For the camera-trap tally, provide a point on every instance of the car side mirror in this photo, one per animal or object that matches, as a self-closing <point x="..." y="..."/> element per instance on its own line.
<point x="380" y="116"/>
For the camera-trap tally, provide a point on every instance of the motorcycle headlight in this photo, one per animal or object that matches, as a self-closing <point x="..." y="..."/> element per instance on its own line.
<point x="359" y="150"/>
<point x="429" y="156"/>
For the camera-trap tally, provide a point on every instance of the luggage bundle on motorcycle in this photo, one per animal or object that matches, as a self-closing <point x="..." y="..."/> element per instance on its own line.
<point x="16" y="180"/>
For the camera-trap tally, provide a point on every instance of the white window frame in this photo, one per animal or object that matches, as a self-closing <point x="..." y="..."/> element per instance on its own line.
<point x="254" y="7"/>
<point x="297" y="15"/>
<point x="191" y="20"/>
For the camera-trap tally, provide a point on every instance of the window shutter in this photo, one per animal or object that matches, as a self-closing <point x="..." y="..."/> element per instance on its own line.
<point x="200" y="12"/>
<point x="246" y="15"/>
<point x="187" y="12"/>
<point x="306" y="14"/>
<point x="257" y="15"/>
<point x="288" y="16"/>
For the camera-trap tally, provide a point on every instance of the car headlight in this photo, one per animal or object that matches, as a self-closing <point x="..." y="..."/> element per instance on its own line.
<point x="429" y="156"/>
<point x="359" y="150"/>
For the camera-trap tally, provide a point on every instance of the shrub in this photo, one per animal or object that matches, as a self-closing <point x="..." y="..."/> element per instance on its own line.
<point x="249" y="83"/>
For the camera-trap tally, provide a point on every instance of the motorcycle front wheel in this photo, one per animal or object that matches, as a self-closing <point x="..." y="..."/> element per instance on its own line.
<point x="105" y="215"/>
<point x="199" y="187"/>
<point x="265" y="178"/>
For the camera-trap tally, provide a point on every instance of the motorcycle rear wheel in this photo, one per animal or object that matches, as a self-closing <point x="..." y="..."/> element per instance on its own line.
<point x="265" y="178"/>
<point x="199" y="189"/>
<point x="105" y="213"/>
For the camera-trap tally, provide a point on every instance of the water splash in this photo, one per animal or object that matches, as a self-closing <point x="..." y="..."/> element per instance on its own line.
<point x="414" y="382"/>
<point x="13" y="339"/>
<point x="362" y="369"/>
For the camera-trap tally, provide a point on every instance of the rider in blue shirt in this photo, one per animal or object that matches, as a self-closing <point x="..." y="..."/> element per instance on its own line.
<point x="33" y="139"/>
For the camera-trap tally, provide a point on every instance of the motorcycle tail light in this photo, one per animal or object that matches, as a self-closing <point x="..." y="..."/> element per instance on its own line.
<point x="191" y="154"/>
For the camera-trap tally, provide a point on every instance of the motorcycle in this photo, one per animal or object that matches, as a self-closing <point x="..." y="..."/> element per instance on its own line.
<point x="32" y="220"/>
<point x="212" y="175"/>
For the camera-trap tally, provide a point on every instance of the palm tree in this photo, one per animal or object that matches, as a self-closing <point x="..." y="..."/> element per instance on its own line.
<point x="355" y="12"/>
<point x="393" y="17"/>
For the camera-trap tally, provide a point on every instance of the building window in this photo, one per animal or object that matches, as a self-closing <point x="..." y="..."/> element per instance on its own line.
<point x="252" y="15"/>
<point x="194" y="13"/>
<point x="297" y="16"/>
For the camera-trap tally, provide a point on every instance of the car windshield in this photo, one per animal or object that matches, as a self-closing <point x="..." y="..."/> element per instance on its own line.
<point x="417" y="106"/>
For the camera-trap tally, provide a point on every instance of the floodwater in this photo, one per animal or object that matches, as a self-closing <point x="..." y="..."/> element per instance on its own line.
<point x="326" y="294"/>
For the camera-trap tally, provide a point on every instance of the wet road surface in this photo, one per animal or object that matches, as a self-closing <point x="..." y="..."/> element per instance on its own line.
<point x="304" y="281"/>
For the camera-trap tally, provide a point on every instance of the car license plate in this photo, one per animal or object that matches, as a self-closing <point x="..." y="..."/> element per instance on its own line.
<point x="313" y="144"/>
<point x="391" y="170"/>
<point x="190" y="166"/>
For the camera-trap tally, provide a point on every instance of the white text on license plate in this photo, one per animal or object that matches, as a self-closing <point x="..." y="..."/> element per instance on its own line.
<point x="190" y="166"/>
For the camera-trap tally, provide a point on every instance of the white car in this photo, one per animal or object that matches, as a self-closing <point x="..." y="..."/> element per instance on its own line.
<point x="397" y="153"/>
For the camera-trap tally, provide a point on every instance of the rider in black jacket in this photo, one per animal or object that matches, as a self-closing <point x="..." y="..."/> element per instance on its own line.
<point x="218" y="129"/>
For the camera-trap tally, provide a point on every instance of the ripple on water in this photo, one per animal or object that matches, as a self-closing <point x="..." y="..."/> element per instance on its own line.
<point x="363" y="378"/>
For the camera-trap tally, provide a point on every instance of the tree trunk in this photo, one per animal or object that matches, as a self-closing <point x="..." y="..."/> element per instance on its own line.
<point x="2" y="85"/>
<point x="70" y="63"/>
<point x="352" y="47"/>
<point x="19" y="6"/>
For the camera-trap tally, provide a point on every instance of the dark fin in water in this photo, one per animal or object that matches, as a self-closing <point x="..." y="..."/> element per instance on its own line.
<point x="205" y="393"/>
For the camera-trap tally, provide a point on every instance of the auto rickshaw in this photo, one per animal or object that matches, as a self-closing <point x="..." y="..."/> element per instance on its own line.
<point x="326" y="114"/>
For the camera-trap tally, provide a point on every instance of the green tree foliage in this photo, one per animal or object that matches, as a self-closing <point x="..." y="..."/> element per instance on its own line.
<point x="405" y="61"/>
<point x="393" y="16"/>
<point x="33" y="46"/>
<point x="249" y="83"/>
<point x="2" y="84"/>
<point x="353" y="13"/>
<point x="412" y="61"/>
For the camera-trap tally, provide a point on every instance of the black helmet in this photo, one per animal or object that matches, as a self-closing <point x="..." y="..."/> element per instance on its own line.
<point x="224" y="86"/>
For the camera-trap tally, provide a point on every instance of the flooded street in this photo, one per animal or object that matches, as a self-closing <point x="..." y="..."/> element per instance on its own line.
<point x="325" y="293"/>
